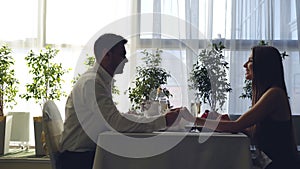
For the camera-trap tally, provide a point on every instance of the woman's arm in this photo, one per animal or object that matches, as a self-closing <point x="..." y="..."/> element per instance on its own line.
<point x="267" y="104"/>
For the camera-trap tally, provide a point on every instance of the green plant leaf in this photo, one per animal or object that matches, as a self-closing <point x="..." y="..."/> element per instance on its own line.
<point x="148" y="78"/>
<point x="208" y="76"/>
<point x="8" y="81"/>
<point x="46" y="76"/>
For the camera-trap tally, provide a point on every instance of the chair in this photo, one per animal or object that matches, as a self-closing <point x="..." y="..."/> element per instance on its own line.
<point x="53" y="127"/>
<point x="296" y="123"/>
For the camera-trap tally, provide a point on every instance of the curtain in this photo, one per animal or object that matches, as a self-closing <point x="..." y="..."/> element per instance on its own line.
<point x="195" y="24"/>
<point x="273" y="21"/>
<point x="240" y="24"/>
<point x="74" y="25"/>
<point x="181" y="28"/>
<point x="67" y="25"/>
<point x="166" y="32"/>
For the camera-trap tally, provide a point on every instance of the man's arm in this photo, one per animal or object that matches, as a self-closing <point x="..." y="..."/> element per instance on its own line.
<point x="100" y="101"/>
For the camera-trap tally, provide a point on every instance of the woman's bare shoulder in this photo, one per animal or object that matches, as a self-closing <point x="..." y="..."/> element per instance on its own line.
<point x="276" y="91"/>
<point x="281" y="103"/>
<point x="272" y="98"/>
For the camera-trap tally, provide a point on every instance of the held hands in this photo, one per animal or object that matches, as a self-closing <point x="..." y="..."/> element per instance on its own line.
<point x="174" y="116"/>
<point x="213" y="115"/>
<point x="185" y="113"/>
<point x="224" y="117"/>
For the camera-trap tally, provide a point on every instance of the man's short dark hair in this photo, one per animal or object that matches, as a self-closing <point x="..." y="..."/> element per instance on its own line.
<point x="107" y="41"/>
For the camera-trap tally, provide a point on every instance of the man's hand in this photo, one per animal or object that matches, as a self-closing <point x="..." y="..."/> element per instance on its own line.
<point x="182" y="112"/>
<point x="185" y="113"/>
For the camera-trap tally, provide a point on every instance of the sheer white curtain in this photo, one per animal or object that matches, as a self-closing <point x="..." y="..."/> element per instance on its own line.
<point x="163" y="26"/>
<point x="195" y="24"/>
<point x="180" y="27"/>
<point x="240" y="24"/>
<point x="275" y="22"/>
<point x="67" y="24"/>
<point x="72" y="25"/>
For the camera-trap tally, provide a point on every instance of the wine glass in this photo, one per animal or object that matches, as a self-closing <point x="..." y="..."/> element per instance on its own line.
<point x="195" y="110"/>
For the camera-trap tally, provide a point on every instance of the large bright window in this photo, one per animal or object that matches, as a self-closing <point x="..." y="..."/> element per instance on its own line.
<point x="18" y="20"/>
<point x="181" y="28"/>
<point x="240" y="24"/>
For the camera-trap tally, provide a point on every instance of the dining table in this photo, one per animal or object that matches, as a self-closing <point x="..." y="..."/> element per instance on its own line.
<point x="172" y="150"/>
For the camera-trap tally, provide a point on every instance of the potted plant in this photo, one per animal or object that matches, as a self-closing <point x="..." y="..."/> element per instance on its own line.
<point x="46" y="84"/>
<point x="8" y="91"/>
<point x="8" y="81"/>
<point x="149" y="80"/>
<point x="46" y="76"/>
<point x="209" y="78"/>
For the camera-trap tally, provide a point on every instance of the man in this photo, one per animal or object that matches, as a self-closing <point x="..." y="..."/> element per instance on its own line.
<point x="90" y="108"/>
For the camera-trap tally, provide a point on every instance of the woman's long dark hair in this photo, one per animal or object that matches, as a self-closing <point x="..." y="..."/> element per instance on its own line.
<point x="267" y="71"/>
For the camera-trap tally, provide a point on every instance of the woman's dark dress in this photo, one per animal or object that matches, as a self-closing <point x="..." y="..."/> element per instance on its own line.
<point x="275" y="139"/>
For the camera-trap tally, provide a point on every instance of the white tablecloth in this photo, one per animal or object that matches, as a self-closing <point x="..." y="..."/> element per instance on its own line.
<point x="212" y="151"/>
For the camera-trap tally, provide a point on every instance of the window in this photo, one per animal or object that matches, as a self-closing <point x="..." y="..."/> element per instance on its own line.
<point x="239" y="24"/>
<point x="181" y="28"/>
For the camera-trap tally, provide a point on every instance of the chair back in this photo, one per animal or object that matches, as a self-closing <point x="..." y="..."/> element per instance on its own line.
<point x="296" y="123"/>
<point x="53" y="127"/>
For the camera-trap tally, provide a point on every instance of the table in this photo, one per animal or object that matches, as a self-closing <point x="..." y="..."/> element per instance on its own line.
<point x="25" y="159"/>
<point x="209" y="150"/>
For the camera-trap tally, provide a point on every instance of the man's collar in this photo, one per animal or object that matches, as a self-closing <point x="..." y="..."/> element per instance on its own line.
<point x="103" y="73"/>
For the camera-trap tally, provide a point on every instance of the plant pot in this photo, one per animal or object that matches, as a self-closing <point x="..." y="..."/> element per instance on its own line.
<point x="5" y="130"/>
<point x="20" y="128"/>
<point x="38" y="136"/>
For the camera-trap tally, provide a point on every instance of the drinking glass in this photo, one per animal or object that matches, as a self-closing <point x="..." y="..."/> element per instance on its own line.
<point x="195" y="110"/>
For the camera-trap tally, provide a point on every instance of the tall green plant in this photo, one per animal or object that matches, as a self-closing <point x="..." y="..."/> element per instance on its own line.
<point x="209" y="78"/>
<point x="148" y="79"/>
<point x="8" y="81"/>
<point x="46" y="76"/>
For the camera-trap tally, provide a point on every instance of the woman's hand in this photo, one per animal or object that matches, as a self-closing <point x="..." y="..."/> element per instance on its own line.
<point x="224" y="117"/>
<point x="213" y="115"/>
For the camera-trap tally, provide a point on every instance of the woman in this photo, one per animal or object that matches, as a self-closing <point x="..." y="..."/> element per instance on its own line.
<point x="268" y="122"/>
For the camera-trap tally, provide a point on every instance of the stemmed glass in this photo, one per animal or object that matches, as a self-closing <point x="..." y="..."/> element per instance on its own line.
<point x="195" y="110"/>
